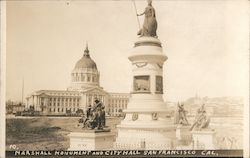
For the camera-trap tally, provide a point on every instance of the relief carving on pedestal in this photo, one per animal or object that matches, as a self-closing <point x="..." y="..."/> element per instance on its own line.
<point x="134" y="116"/>
<point x="140" y="65"/>
<point x="160" y="66"/>
<point x="155" y="116"/>
<point x="141" y="84"/>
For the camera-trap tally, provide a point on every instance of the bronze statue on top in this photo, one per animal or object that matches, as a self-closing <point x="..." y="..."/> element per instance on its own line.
<point x="150" y="24"/>
<point x="201" y="120"/>
<point x="95" y="118"/>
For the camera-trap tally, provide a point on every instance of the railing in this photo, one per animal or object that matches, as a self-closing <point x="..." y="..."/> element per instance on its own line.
<point x="126" y="145"/>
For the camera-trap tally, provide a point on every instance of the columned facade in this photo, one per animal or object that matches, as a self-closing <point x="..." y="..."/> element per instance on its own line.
<point x="81" y="93"/>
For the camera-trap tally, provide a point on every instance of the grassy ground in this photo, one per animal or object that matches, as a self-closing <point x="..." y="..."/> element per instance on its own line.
<point x="43" y="133"/>
<point x="46" y="133"/>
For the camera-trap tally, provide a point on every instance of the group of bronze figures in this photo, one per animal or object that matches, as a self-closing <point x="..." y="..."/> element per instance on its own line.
<point x="95" y="117"/>
<point x="201" y="120"/>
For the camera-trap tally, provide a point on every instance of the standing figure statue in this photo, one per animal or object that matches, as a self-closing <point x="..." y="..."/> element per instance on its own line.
<point x="201" y="120"/>
<point x="98" y="115"/>
<point x="150" y="24"/>
<point x="89" y="115"/>
<point x="181" y="117"/>
<point x="103" y="120"/>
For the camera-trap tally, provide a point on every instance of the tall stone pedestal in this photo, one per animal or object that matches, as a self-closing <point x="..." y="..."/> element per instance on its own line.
<point x="146" y="125"/>
<point x="183" y="135"/>
<point x="91" y="140"/>
<point x="203" y="140"/>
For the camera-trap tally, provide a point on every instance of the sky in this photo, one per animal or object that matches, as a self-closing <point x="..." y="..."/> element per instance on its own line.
<point x="206" y="43"/>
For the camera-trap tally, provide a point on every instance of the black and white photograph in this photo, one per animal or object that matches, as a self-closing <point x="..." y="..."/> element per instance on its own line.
<point x="124" y="78"/>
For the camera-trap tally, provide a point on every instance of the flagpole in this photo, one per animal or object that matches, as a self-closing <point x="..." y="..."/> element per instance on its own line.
<point x="22" y="89"/>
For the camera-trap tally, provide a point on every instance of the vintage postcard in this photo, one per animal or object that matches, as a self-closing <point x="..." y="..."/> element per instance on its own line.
<point x="130" y="78"/>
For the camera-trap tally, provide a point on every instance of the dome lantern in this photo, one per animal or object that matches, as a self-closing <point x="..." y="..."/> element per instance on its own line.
<point x="86" y="51"/>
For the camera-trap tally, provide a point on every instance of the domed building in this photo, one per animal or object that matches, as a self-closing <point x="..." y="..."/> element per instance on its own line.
<point x="83" y="90"/>
<point x="85" y="74"/>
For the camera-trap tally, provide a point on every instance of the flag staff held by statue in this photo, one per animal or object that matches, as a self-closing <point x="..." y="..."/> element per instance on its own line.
<point x="136" y="14"/>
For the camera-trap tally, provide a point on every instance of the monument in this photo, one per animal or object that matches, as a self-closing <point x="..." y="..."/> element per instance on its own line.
<point x="93" y="133"/>
<point x="202" y="136"/>
<point x="183" y="133"/>
<point x="145" y="125"/>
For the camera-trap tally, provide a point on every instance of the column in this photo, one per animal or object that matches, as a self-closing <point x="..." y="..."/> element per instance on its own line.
<point x="52" y="104"/>
<point x="87" y="97"/>
<point x="92" y="99"/>
<point x="152" y="84"/>
<point x="33" y="100"/>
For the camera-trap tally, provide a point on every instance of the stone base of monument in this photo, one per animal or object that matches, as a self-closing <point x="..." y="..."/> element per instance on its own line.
<point x="183" y="135"/>
<point x="203" y="139"/>
<point x="92" y="140"/>
<point x="144" y="140"/>
<point x="145" y="135"/>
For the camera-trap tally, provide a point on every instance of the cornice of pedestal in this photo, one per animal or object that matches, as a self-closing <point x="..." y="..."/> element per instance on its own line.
<point x="148" y="126"/>
<point x="147" y="49"/>
<point x="147" y="41"/>
<point x="146" y="111"/>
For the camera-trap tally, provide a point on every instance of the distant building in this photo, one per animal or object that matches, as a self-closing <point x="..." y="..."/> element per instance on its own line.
<point x="220" y="106"/>
<point x="13" y="108"/>
<point x="82" y="92"/>
<point x="117" y="102"/>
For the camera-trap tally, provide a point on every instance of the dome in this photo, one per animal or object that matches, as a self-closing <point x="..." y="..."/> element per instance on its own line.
<point x="86" y="61"/>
